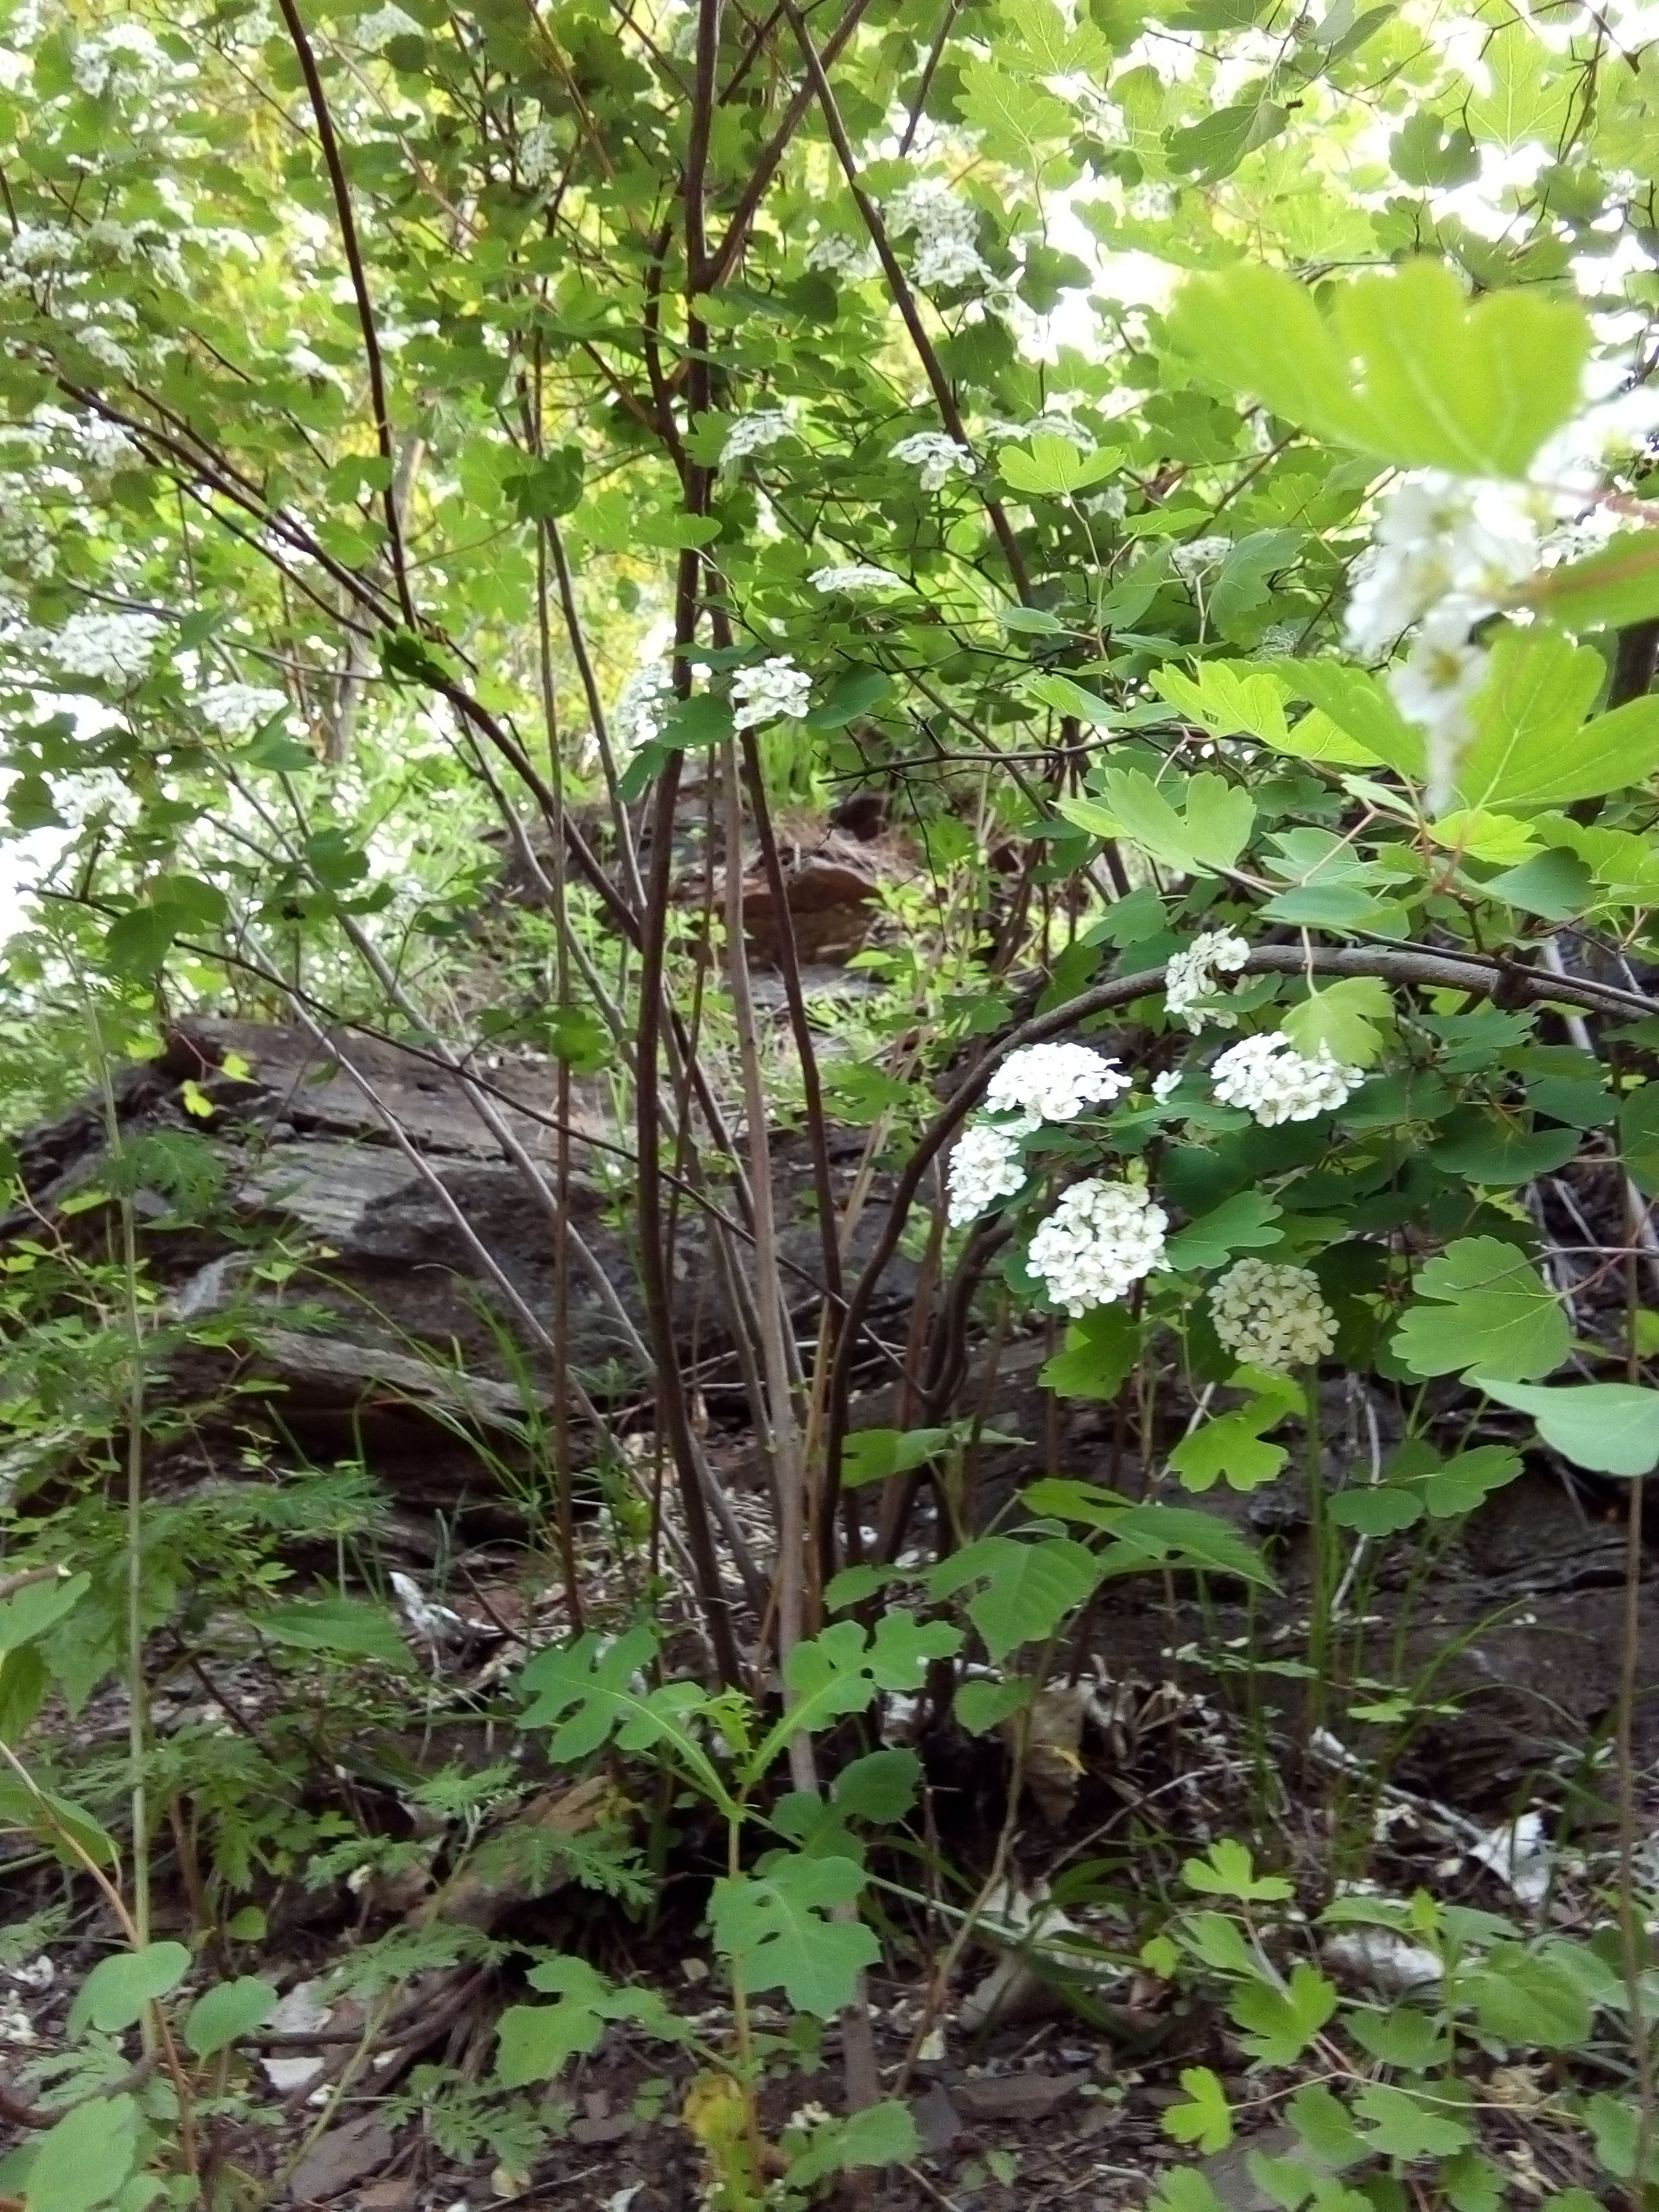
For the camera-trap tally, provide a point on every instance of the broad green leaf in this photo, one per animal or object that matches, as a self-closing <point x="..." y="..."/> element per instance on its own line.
<point x="1280" y="2024"/>
<point x="1230" y="697"/>
<point x="880" y="1787"/>
<point x="1184" y="2189"/>
<point x="1026" y="1588"/>
<point x="1231" y="1445"/>
<point x="1321" y="2121"/>
<point x="773" y="1927"/>
<point x="1482" y="1304"/>
<point x="1485" y="1146"/>
<point x="39" y="1607"/>
<point x="589" y="1690"/>
<point x="1609" y="1428"/>
<point x="1522" y="1999"/>
<point x="1608" y="590"/>
<point x="1205" y="2120"/>
<point x="880" y="2134"/>
<point x="1214" y="830"/>
<point x="1213" y="147"/>
<point x="84" y="2161"/>
<point x="1053" y="467"/>
<point x="1098" y="1356"/>
<point x="1344" y="1018"/>
<point x="1531" y="747"/>
<point x="872" y="1455"/>
<point x="1638" y="1137"/>
<point x="1183" y="1536"/>
<point x="1359" y="704"/>
<point x="227" y="2011"/>
<point x="1406" y="367"/>
<point x="345" y="1627"/>
<point x="839" y="1670"/>
<point x="537" y="2042"/>
<point x="1529" y="96"/>
<point x="854" y="693"/>
<point x="980" y="1706"/>
<point x="1409" y="2127"/>
<point x="1220" y="817"/>
<point x="119" y="1988"/>
<point x="1243" y="1223"/>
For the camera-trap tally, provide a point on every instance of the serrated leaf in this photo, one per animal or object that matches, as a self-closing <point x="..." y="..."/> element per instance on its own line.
<point x="1609" y="590"/>
<point x="1231" y="1446"/>
<point x="880" y="1787"/>
<point x="599" y="1684"/>
<point x="1482" y="1304"/>
<point x="1183" y="1536"/>
<point x="1404" y="2126"/>
<point x="1345" y="1017"/>
<point x="1530" y="747"/>
<point x="873" y="1454"/>
<point x="1243" y="1223"/>
<point x="1280" y="2024"/>
<point x="775" y="1930"/>
<point x="880" y="2134"/>
<point x="1096" y="1357"/>
<point x="1406" y="367"/>
<point x="1487" y="1147"/>
<point x="1535" y="2003"/>
<point x="1053" y="467"/>
<point x="1228" y="1869"/>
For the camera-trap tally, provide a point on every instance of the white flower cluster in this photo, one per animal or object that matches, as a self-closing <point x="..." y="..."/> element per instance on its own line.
<point x="124" y="58"/>
<point x="936" y="455"/>
<point x="1053" y="1082"/>
<point x="843" y="257"/>
<point x="1052" y="423"/>
<point x="856" y="576"/>
<point x="636" y="718"/>
<point x="985" y="1166"/>
<point x="1100" y="1240"/>
<point x="1191" y="976"/>
<point x="104" y="646"/>
<point x="1270" y="1079"/>
<point x="235" y="709"/>
<point x="773" y="688"/>
<point x="753" y="433"/>
<point x="1270" y="1317"/>
<point x="944" y="226"/>
<point x="539" y="154"/>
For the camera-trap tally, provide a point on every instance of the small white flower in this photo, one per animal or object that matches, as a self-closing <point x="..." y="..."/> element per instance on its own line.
<point x="985" y="1166"/>
<point x="1434" y="687"/>
<point x="637" y="716"/>
<point x="936" y="455"/>
<point x="753" y="433"/>
<point x="107" y="647"/>
<point x="1053" y="1082"/>
<point x="773" y="688"/>
<point x="1439" y="538"/>
<point x="1164" y="1087"/>
<point x="234" y="709"/>
<point x="844" y="256"/>
<point x="944" y="227"/>
<point x="1270" y="1079"/>
<point x="856" y="576"/>
<point x="1191" y="976"/>
<point x="124" y="58"/>
<point x="1271" y="1316"/>
<point x="1099" y="1242"/>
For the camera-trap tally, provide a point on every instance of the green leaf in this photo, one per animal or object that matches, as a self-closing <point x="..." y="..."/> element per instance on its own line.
<point x="1231" y="1446"/>
<point x="1638" y="1137"/>
<point x="1482" y="1304"/>
<point x="1609" y="1428"/>
<point x="345" y="1627"/>
<point x="1404" y="2126"/>
<point x="1053" y="467"/>
<point x="228" y="2011"/>
<point x="980" y="1706"/>
<point x="537" y="2042"/>
<point x="1406" y="368"/>
<point x="119" y="1987"/>
<point x="1609" y="590"/>
<point x="1359" y="704"/>
<point x="1530" y="746"/>
<point x="774" y="1927"/>
<point x="1213" y="148"/>
<point x="1205" y="2120"/>
<point x="1343" y="1017"/>
<point x="1215" y="830"/>
<point x="604" y="1682"/>
<point x="1098" y="1356"/>
<point x="879" y="1787"/>
<point x="1184" y="2189"/>
<point x="1028" y="1588"/>
<point x="1228" y="1869"/>
<point x="1230" y="697"/>
<point x="39" y="1607"/>
<point x="1243" y="1223"/>
<point x="872" y="1455"/>
<point x="86" y="2159"/>
<point x="576" y="1035"/>
<point x="1555" y="883"/>
<point x="1487" y="1147"/>
<point x="1532" y="2002"/>
<point x="1184" y="1536"/>
<point x="1280" y="2024"/>
<point x="1321" y="2121"/>
<point x="854" y="693"/>
<point x="880" y="2134"/>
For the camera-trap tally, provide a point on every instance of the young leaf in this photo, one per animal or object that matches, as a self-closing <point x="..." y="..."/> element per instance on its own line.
<point x="227" y="2011"/>
<point x="1231" y="1445"/>
<point x="117" y="1991"/>
<point x="1280" y="2024"/>
<point x="1343" y="1017"/>
<point x="880" y="2134"/>
<point x="1482" y="1304"/>
<point x="1404" y="2126"/>
<point x="84" y="2161"/>
<point x="1206" y="2119"/>
<point x="1053" y="468"/>
<point x="872" y="1455"/>
<point x="1027" y="1588"/>
<point x="346" y="1627"/>
<point x="773" y="1927"/>
<point x="1097" y="1358"/>
<point x="1228" y="1869"/>
<point x="980" y="1706"/>
<point x="1243" y="1223"/>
